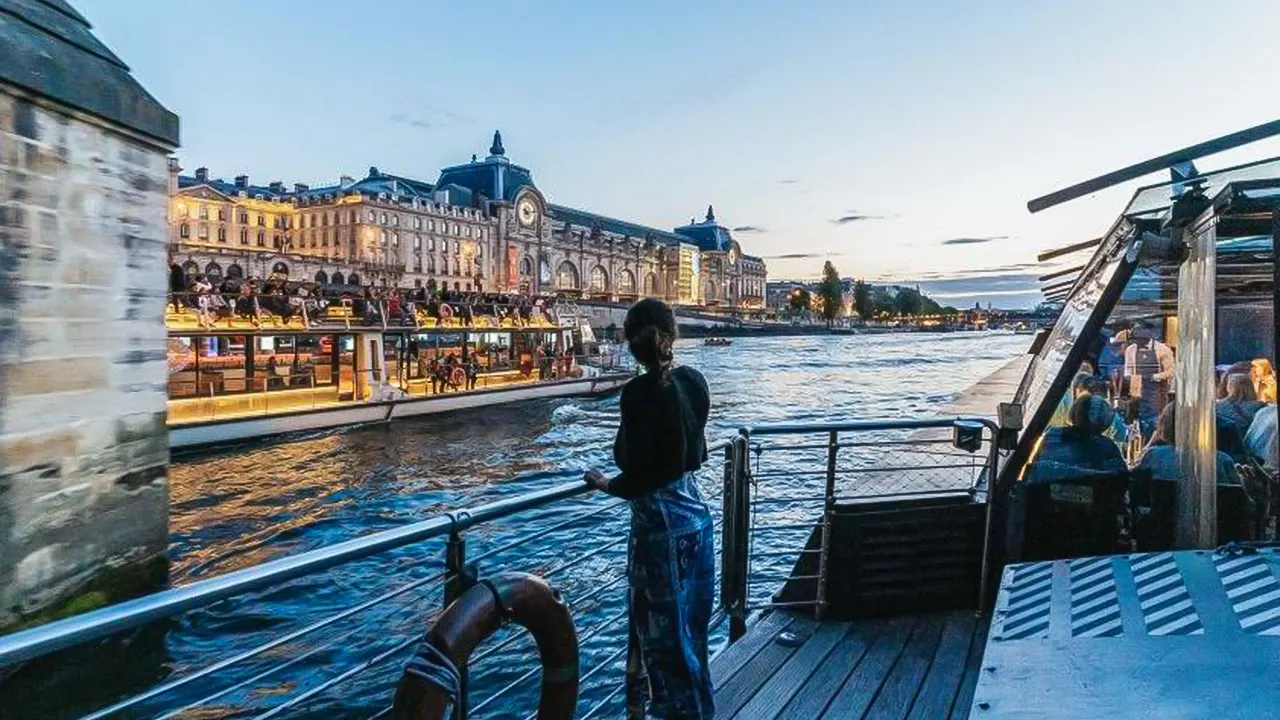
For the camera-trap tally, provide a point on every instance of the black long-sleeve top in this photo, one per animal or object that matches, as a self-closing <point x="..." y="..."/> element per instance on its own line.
<point x="662" y="433"/>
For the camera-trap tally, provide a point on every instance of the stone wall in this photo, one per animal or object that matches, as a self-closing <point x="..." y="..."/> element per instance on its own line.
<point x="83" y="442"/>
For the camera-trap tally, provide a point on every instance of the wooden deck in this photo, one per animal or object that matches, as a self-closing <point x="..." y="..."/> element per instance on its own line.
<point x="921" y="667"/>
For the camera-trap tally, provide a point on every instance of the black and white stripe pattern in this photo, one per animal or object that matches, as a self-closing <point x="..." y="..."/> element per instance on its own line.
<point x="1252" y="590"/>
<point x="1162" y="594"/>
<point x="1027" y="612"/>
<point x="1095" y="607"/>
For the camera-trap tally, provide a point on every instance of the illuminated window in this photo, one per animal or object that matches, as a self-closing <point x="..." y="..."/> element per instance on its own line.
<point x="384" y="218"/>
<point x="433" y="225"/>
<point x="384" y="238"/>
<point x="395" y="240"/>
<point x="204" y="212"/>
<point x="395" y="221"/>
<point x="417" y="242"/>
<point x="372" y="216"/>
<point x="468" y="231"/>
<point x="479" y="251"/>
<point x="417" y="223"/>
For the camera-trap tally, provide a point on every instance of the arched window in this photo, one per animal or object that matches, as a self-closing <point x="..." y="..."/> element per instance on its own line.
<point x="338" y="279"/>
<point x="235" y="272"/>
<point x="599" y="279"/>
<point x="353" y="279"/>
<point x="280" y="269"/>
<point x="567" y="276"/>
<point x="526" y="267"/>
<point x="214" y="272"/>
<point x="322" y="278"/>
<point x="626" y="282"/>
<point x="651" y="284"/>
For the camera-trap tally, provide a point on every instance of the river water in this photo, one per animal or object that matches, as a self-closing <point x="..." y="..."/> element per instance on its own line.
<point x="259" y="502"/>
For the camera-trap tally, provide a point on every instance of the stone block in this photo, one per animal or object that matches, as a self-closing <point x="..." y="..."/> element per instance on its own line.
<point x="42" y="377"/>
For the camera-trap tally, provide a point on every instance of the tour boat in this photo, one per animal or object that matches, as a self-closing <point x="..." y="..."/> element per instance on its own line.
<point x="717" y="342"/>
<point x="247" y="367"/>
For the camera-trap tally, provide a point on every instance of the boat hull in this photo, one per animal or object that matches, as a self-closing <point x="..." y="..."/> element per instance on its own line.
<point x="207" y="434"/>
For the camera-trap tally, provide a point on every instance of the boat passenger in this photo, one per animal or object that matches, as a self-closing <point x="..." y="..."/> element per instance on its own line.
<point x="671" y="563"/>
<point x="1079" y="451"/>
<point x="1264" y="379"/>
<point x="473" y="372"/>
<point x="1261" y="439"/>
<point x="1237" y="367"/>
<point x="1161" y="457"/>
<point x="1234" y="414"/>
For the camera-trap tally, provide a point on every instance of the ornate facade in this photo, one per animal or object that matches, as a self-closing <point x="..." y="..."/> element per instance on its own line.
<point x="482" y="225"/>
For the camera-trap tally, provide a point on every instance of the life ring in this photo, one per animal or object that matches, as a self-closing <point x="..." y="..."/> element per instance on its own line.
<point x="446" y="312"/>
<point x="429" y="683"/>
<point x="457" y="377"/>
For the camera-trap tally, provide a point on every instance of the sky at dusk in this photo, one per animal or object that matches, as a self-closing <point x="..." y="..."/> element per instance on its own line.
<point x="899" y="140"/>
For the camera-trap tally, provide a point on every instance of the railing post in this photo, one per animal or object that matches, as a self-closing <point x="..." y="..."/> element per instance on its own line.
<point x="828" y="513"/>
<point x="737" y="534"/>
<point x="459" y="576"/>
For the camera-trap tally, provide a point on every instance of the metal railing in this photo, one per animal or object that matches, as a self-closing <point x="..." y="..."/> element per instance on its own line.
<point x="783" y="481"/>
<point x="574" y="538"/>
<point x="776" y="485"/>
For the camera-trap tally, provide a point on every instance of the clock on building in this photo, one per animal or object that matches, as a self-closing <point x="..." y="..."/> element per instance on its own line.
<point x="527" y="211"/>
<point x="733" y="254"/>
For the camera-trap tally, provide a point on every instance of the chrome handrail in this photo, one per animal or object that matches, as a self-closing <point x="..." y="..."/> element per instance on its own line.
<point x="61" y="634"/>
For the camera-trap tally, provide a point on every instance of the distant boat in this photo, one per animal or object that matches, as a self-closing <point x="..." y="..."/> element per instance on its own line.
<point x="717" y="342"/>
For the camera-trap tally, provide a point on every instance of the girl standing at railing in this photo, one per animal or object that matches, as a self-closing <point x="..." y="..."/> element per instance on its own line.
<point x="660" y="444"/>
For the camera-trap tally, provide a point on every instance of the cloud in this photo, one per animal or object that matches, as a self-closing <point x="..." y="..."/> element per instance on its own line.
<point x="853" y="217"/>
<point x="973" y="240"/>
<point x="427" y="116"/>
<point x="413" y="122"/>
<point x="749" y="229"/>
<point x="801" y="256"/>
<point x="788" y="181"/>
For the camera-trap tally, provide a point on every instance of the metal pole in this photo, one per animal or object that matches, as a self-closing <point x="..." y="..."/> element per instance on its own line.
<point x="459" y="577"/>
<point x="736" y="577"/>
<point x="828" y="512"/>
<point x="1196" y="444"/>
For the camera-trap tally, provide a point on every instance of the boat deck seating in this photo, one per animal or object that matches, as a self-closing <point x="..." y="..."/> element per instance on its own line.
<point x="1155" y="521"/>
<point x="1073" y="518"/>
<point x="914" y="667"/>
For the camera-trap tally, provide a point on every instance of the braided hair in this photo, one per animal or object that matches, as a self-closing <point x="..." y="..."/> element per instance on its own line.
<point x="650" y="329"/>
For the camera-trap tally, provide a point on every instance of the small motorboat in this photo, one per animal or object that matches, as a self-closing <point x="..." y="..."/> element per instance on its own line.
<point x="717" y="342"/>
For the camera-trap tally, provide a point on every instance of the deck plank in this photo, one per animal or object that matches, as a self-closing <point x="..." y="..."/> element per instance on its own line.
<point x="858" y="692"/>
<point x="964" y="698"/>
<point x="827" y="678"/>
<point x="907" y="676"/>
<point x="734" y="657"/>
<point x="938" y="693"/>
<point x="784" y="684"/>
<point x="744" y="684"/>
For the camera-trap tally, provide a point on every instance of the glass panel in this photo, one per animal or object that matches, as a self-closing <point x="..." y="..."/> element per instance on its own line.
<point x="1036" y="393"/>
<point x="1159" y="197"/>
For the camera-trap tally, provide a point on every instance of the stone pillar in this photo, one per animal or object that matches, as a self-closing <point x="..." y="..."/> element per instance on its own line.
<point x="83" y="205"/>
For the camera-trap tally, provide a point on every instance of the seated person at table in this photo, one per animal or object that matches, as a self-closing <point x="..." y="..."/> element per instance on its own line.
<point x="1079" y="451"/>
<point x="1234" y="414"/>
<point x="1087" y="384"/>
<point x="1161" y="457"/>
<point x="1261" y="439"/>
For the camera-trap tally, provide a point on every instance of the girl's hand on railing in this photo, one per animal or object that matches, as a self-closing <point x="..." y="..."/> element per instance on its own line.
<point x="596" y="479"/>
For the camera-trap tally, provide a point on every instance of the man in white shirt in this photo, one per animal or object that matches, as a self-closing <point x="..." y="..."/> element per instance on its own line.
<point x="1261" y="438"/>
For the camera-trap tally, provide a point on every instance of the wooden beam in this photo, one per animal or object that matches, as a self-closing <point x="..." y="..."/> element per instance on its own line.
<point x="1060" y="273"/>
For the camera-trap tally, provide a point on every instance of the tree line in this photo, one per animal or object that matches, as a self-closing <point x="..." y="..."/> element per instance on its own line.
<point x="869" y="301"/>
